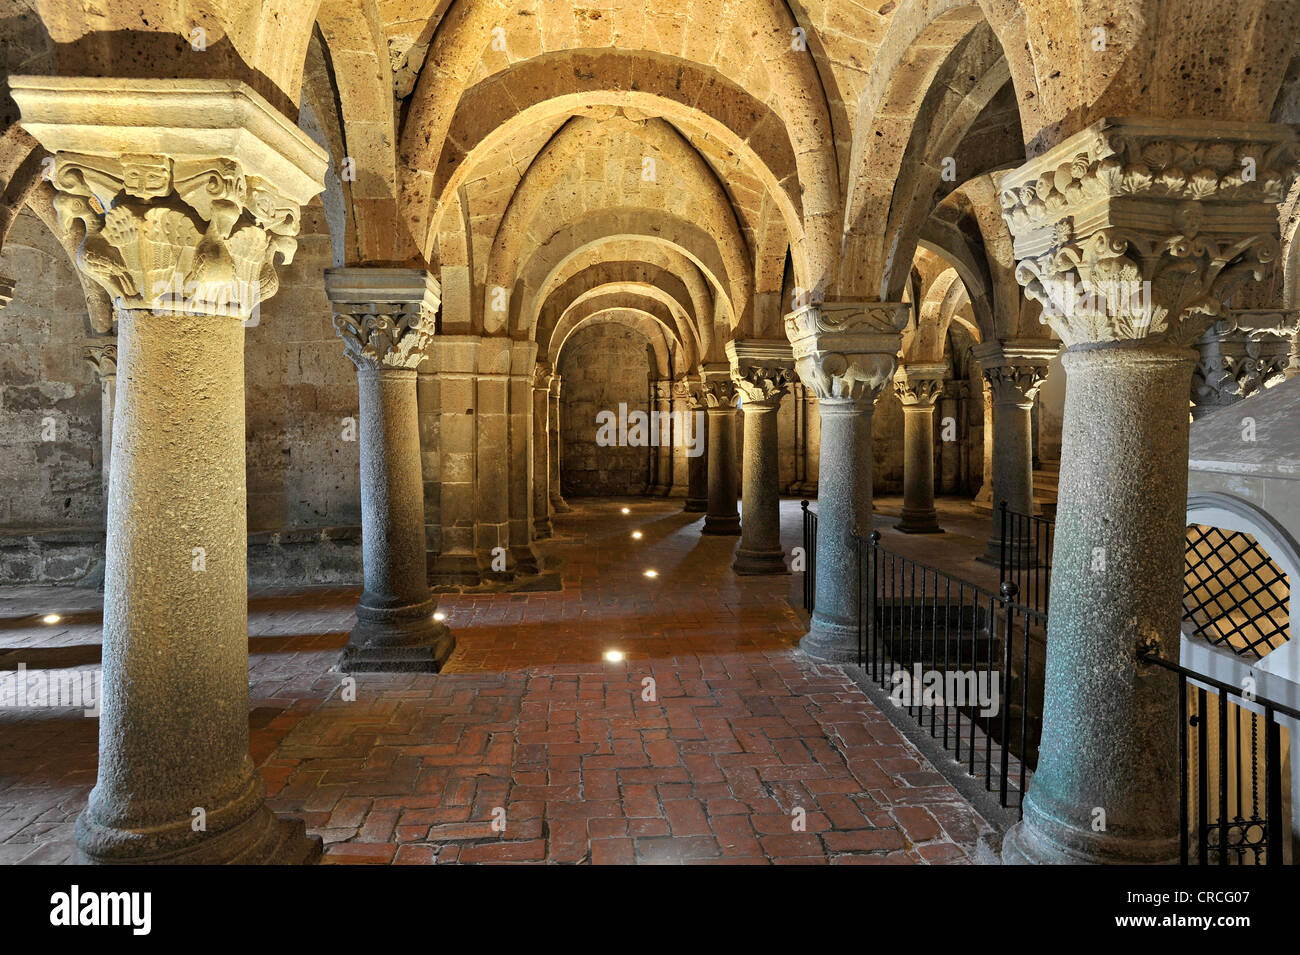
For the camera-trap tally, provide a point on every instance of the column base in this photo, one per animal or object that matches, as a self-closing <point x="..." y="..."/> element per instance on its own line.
<point x="525" y="560"/>
<point x="919" y="522"/>
<point x="722" y="526"/>
<point x="759" y="562"/>
<point x="1026" y="844"/>
<point x="397" y="640"/>
<point x="542" y="528"/>
<point x="696" y="505"/>
<point x="560" y="506"/>
<point x="260" y="837"/>
<point x="830" y="642"/>
<point x="453" y="570"/>
<point x="1021" y="555"/>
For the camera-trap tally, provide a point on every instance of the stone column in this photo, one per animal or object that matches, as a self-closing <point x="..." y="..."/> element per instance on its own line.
<point x="181" y="194"/>
<point x="1244" y="352"/>
<point x="813" y="443"/>
<point x="558" y="504"/>
<point x="761" y="372"/>
<point x="662" y="432"/>
<point x="541" y="472"/>
<point x="386" y="320"/>
<point x="519" y="423"/>
<point x="799" y="446"/>
<point x="1165" y="202"/>
<point x="984" y="497"/>
<point x="719" y="394"/>
<point x="684" y="438"/>
<point x="1013" y="371"/>
<point x="697" y="491"/>
<point x="918" y="387"/>
<point x="845" y="353"/>
<point x="806" y="443"/>
<point x="102" y="358"/>
<point x="951" y="435"/>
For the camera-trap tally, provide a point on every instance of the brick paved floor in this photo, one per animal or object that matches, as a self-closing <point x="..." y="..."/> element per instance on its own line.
<point x="713" y="740"/>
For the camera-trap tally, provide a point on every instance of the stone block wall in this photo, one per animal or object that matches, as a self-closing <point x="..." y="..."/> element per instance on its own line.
<point x="303" y="454"/>
<point x="887" y="445"/>
<point x="304" y="498"/>
<point x="49" y="399"/>
<point x="601" y="366"/>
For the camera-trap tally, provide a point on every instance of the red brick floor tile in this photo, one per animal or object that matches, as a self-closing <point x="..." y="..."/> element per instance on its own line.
<point x="530" y="729"/>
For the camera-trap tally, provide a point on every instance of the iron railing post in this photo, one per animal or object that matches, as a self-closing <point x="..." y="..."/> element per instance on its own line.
<point x="1003" y="556"/>
<point x="1273" y="846"/>
<point x="1183" y="782"/>
<point x="1009" y="591"/>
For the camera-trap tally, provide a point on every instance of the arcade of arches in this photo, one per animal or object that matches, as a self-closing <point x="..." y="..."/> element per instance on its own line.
<point x="346" y="343"/>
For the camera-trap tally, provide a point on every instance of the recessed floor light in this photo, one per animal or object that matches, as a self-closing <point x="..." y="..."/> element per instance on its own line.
<point x="614" y="656"/>
<point x="439" y="616"/>
<point x="637" y="535"/>
<point x="652" y="573"/>
<point x="627" y="510"/>
<point x="51" y="618"/>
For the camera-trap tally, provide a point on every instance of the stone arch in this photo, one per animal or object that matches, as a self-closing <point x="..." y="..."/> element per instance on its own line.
<point x="356" y="51"/>
<point x="672" y="277"/>
<point x="537" y="276"/>
<point x="644" y="299"/>
<point x="779" y="187"/>
<point x="261" y="42"/>
<point x="802" y="182"/>
<point x="937" y="79"/>
<point x="923" y="340"/>
<point x="953" y="248"/>
<point x="642" y="322"/>
<point x="974" y="210"/>
<point x="684" y="190"/>
<point x="1169" y="58"/>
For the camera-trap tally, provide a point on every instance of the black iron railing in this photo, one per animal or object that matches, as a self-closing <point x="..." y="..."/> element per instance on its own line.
<point x="1227" y="816"/>
<point x="964" y="660"/>
<point x="1026" y="542"/>
<point x="810" y="556"/>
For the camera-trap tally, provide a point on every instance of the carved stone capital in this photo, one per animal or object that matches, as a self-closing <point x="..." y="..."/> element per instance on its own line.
<point x="1243" y="352"/>
<point x="181" y="194"/>
<point x="1014" y="370"/>
<point x="761" y="370"/>
<point x="920" y="385"/>
<point x="687" y="389"/>
<point x="847" y="350"/>
<point x="717" y="390"/>
<point x="1139" y="229"/>
<point x="386" y="317"/>
<point x="555" y="385"/>
<point x="6" y="291"/>
<point x="663" y="391"/>
<point x="542" y="377"/>
<point x="102" y="358"/>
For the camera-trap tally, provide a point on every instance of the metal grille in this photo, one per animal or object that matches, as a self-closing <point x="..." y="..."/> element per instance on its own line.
<point x="1234" y="595"/>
